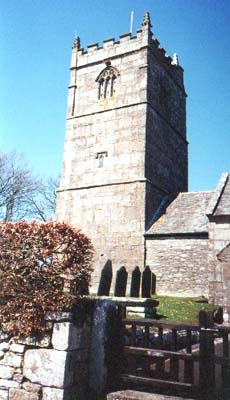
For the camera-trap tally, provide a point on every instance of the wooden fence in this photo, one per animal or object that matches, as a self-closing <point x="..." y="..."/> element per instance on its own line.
<point x="161" y="355"/>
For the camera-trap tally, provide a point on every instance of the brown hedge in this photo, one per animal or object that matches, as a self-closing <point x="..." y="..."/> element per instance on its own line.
<point x="33" y="258"/>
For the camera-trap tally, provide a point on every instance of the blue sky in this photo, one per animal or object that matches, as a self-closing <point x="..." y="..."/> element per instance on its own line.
<point x="35" y="48"/>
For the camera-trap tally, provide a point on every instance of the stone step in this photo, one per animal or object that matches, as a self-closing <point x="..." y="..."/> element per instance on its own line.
<point x="135" y="395"/>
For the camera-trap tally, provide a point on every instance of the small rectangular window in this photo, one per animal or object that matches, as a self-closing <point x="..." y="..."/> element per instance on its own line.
<point x="100" y="157"/>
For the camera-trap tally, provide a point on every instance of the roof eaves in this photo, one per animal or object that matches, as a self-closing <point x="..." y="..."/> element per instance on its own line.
<point x="201" y="234"/>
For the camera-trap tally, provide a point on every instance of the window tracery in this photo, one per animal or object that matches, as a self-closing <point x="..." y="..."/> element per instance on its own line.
<point x="106" y="82"/>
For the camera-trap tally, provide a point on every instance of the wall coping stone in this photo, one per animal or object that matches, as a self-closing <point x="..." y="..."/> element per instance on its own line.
<point x="17" y="348"/>
<point x="59" y="316"/>
<point x="132" y="301"/>
<point x="21" y="394"/>
<point x="41" y="341"/>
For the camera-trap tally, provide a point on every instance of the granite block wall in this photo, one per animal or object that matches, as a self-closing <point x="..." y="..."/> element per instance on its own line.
<point x="76" y="359"/>
<point x="166" y="162"/>
<point x="180" y="265"/>
<point x="219" y="279"/>
<point x="115" y="232"/>
<point x="53" y="366"/>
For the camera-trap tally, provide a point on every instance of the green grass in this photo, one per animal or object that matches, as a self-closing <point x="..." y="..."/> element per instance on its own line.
<point x="181" y="309"/>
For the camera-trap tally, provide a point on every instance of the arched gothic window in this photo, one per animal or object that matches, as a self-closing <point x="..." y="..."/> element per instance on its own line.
<point x="106" y="82"/>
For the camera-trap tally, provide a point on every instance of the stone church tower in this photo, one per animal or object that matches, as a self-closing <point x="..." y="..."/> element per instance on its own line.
<point x="125" y="145"/>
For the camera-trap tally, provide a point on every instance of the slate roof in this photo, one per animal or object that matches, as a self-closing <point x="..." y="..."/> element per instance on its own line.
<point x="186" y="214"/>
<point x="220" y="201"/>
<point x="223" y="207"/>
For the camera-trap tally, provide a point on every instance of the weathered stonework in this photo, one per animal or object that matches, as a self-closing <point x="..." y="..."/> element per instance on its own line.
<point x="126" y="165"/>
<point x="80" y="361"/>
<point x="3" y="394"/>
<point x="219" y="245"/>
<point x="125" y="145"/>
<point x="177" y="245"/>
<point x="30" y="371"/>
<point x="12" y="359"/>
<point x="47" y="367"/>
<point x="20" y="394"/>
<point x="135" y="395"/>
<point x="67" y="337"/>
<point x="58" y="394"/>
<point x="187" y="246"/>
<point x="6" y="372"/>
<point x="180" y="265"/>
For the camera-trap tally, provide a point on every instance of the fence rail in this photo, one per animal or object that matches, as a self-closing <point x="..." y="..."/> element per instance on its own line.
<point x="161" y="354"/>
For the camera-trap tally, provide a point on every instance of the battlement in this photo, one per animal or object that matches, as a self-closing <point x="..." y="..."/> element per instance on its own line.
<point x="95" y="52"/>
<point x="127" y="43"/>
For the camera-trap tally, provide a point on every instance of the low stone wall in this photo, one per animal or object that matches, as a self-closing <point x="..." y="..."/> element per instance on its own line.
<point x="53" y="367"/>
<point x="76" y="359"/>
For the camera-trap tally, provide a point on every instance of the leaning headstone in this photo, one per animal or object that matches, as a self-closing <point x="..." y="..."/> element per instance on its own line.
<point x="105" y="280"/>
<point x="146" y="282"/>
<point x="135" y="282"/>
<point x="121" y="282"/>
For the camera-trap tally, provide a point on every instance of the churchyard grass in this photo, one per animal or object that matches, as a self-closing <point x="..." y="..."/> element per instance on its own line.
<point x="181" y="309"/>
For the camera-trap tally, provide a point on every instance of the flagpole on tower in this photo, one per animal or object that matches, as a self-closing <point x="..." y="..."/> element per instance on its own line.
<point x="131" y="22"/>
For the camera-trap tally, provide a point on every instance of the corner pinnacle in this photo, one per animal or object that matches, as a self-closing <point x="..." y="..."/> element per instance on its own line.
<point x="77" y="43"/>
<point x="146" y="20"/>
<point x="175" y="59"/>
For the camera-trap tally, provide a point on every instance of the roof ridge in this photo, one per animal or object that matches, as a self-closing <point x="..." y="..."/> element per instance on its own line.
<point x="202" y="191"/>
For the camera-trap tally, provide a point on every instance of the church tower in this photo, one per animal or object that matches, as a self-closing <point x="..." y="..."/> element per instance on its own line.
<point x="125" y="144"/>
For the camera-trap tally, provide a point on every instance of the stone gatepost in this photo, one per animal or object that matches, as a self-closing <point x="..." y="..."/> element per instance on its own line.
<point x="105" y="350"/>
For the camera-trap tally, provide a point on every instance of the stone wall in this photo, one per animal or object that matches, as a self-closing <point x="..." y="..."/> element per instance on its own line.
<point x="115" y="233"/>
<point x="76" y="359"/>
<point x="166" y="155"/>
<point x="219" y="244"/>
<point x="219" y="279"/>
<point x="180" y="265"/>
<point x="52" y="367"/>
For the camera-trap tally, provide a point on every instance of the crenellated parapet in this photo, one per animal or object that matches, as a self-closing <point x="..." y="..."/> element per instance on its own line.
<point x="127" y="42"/>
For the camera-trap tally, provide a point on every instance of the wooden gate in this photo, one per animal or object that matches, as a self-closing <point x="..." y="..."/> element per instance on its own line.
<point x="161" y="356"/>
